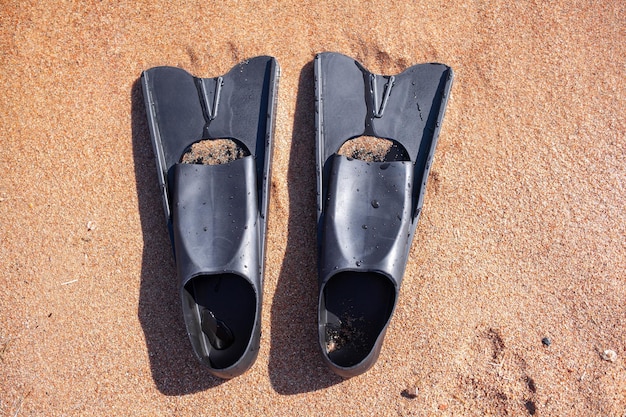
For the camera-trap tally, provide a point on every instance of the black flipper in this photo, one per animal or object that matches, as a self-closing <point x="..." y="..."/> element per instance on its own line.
<point x="216" y="214"/>
<point x="368" y="211"/>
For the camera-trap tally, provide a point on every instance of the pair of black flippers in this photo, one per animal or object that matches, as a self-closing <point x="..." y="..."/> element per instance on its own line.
<point x="367" y="211"/>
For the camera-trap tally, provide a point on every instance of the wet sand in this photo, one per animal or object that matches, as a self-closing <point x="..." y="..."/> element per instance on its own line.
<point x="522" y="237"/>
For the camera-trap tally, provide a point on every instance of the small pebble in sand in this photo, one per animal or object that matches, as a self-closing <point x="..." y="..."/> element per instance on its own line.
<point x="546" y="341"/>
<point x="410" y="393"/>
<point x="91" y="226"/>
<point x="609" y="355"/>
<point x="331" y="346"/>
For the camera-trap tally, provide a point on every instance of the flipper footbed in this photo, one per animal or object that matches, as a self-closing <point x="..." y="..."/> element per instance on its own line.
<point x="216" y="214"/>
<point x="368" y="211"/>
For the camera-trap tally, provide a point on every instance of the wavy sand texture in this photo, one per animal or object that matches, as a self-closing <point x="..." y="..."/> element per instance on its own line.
<point x="522" y="236"/>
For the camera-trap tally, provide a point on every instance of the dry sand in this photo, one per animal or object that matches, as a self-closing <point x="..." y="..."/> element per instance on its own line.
<point x="213" y="152"/>
<point x="522" y="236"/>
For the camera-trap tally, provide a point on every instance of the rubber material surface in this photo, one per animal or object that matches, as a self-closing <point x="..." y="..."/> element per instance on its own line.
<point x="216" y="214"/>
<point x="368" y="211"/>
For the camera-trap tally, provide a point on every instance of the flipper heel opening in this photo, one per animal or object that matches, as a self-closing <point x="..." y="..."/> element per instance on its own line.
<point x="221" y="327"/>
<point x="357" y="307"/>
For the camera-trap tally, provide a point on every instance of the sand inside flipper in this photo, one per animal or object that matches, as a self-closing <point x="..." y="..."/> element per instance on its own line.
<point x="214" y="152"/>
<point x="373" y="149"/>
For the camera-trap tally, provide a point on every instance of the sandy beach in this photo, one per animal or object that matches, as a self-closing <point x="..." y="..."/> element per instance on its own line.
<point x="515" y="285"/>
